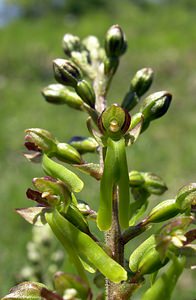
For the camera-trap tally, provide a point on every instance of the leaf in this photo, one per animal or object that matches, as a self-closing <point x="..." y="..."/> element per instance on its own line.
<point x="33" y="215"/>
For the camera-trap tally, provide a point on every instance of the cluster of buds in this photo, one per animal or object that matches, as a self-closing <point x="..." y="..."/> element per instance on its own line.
<point x="83" y="79"/>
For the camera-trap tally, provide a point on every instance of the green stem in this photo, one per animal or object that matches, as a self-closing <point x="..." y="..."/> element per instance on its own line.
<point x="115" y="244"/>
<point x="132" y="232"/>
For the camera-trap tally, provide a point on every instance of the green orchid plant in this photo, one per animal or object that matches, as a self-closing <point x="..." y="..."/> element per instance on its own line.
<point x="83" y="81"/>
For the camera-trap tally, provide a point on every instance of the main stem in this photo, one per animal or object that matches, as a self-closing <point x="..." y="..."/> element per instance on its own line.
<point x="115" y="244"/>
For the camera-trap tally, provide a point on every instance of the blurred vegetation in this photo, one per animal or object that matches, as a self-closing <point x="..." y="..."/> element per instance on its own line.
<point x="159" y="36"/>
<point x="37" y="8"/>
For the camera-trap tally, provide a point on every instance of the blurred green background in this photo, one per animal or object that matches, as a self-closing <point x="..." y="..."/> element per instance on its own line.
<point x="160" y="34"/>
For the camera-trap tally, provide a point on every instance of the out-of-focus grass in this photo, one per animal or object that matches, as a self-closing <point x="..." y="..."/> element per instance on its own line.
<point x="161" y="37"/>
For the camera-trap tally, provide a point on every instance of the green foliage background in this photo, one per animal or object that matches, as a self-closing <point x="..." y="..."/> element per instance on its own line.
<point x="159" y="36"/>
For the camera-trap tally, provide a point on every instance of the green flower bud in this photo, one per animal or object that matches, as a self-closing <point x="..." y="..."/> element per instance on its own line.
<point x="139" y="252"/>
<point x="135" y="179"/>
<point x="91" y="43"/>
<point x="67" y="153"/>
<point x="42" y="139"/>
<point x="145" y="258"/>
<point x="86" y="92"/>
<point x="142" y="81"/>
<point x="155" y="106"/>
<point x="114" y="121"/>
<point x="59" y="94"/>
<point x="71" y="43"/>
<point x="163" y="211"/>
<point x="66" y="72"/>
<point x="115" y="42"/>
<point x="130" y="101"/>
<point x="83" y="144"/>
<point x="154" y="184"/>
<point x="151" y="262"/>
<point x="186" y="197"/>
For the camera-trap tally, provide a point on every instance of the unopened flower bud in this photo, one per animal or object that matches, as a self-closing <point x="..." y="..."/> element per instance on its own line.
<point x="142" y="81"/>
<point x="154" y="183"/>
<point x="71" y="43"/>
<point x="151" y="262"/>
<point x="86" y="92"/>
<point x="67" y="153"/>
<point x="114" y="121"/>
<point x="41" y="138"/>
<point x="91" y="43"/>
<point x="130" y="101"/>
<point x="186" y="197"/>
<point x="163" y="211"/>
<point x="59" y="94"/>
<point x="66" y="72"/>
<point x="83" y="144"/>
<point x="136" y="179"/>
<point x="155" y="106"/>
<point x="115" y="42"/>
